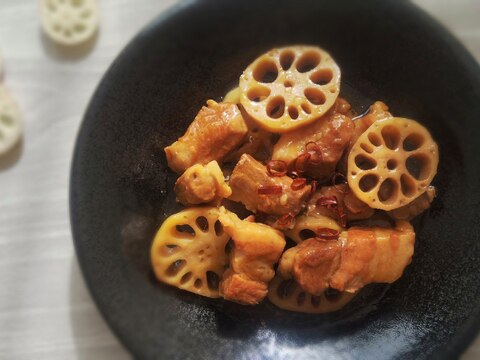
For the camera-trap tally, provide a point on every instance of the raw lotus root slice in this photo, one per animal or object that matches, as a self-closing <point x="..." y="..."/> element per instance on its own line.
<point x="10" y="122"/>
<point x="290" y="87"/>
<point x="69" y="22"/>
<point x="392" y="163"/>
<point x="306" y="227"/>
<point x="2" y="70"/>
<point x="189" y="251"/>
<point x="288" y="295"/>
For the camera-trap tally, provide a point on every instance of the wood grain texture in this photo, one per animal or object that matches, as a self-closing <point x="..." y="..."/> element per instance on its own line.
<point x="45" y="309"/>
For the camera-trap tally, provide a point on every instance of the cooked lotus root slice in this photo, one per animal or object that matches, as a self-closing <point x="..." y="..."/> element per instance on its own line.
<point x="392" y="163"/>
<point x="288" y="295"/>
<point x="10" y="121"/>
<point x="233" y="96"/>
<point x="189" y="251"/>
<point x="69" y="22"/>
<point x="306" y="227"/>
<point x="290" y="87"/>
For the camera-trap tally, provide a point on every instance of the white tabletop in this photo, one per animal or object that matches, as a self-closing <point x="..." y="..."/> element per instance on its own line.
<point x="45" y="309"/>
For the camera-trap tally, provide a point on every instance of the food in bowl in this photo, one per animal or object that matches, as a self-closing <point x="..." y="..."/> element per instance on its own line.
<point x="329" y="193"/>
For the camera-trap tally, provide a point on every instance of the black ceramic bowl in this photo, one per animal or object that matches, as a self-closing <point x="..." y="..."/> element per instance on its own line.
<point x="121" y="189"/>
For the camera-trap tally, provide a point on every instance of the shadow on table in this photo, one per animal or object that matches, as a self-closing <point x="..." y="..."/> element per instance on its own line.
<point x="92" y="337"/>
<point x="11" y="157"/>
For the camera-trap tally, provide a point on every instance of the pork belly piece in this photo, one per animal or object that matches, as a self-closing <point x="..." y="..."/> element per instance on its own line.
<point x="359" y="257"/>
<point x="201" y="184"/>
<point x="315" y="263"/>
<point x="416" y="207"/>
<point x="217" y="129"/>
<point x="240" y="288"/>
<point x="257" y="247"/>
<point x="352" y="207"/>
<point x="249" y="175"/>
<point x="378" y="111"/>
<point x="331" y="134"/>
<point x="258" y="142"/>
<point x="343" y="107"/>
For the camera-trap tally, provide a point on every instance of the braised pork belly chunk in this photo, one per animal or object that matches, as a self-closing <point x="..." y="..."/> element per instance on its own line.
<point x="322" y="143"/>
<point x="360" y="256"/>
<point x="258" y="190"/>
<point x="201" y="184"/>
<point x="217" y="129"/>
<point x="258" y="143"/>
<point x="338" y="202"/>
<point x="377" y="111"/>
<point x="257" y="247"/>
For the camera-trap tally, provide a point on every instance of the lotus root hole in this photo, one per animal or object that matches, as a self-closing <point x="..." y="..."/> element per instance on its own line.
<point x="85" y="14"/>
<point x="332" y="295"/>
<point x="407" y="185"/>
<point x="79" y="28"/>
<point x="286" y="289"/>
<point x="185" y="229"/>
<point x="276" y="107"/>
<point x="288" y="83"/>
<point x="366" y="147"/>
<point x="202" y="223"/>
<point x="6" y="120"/>
<point x="258" y="93"/>
<point x="168" y="250"/>
<point x="413" y="142"/>
<point x="175" y="267"/>
<point x="374" y="139"/>
<point x="286" y="59"/>
<point x="308" y="61"/>
<point x="388" y="191"/>
<point x="322" y="77"/>
<point x="365" y="162"/>
<point x="198" y="283"/>
<point x="301" y="298"/>
<point x="392" y="164"/>
<point x="391" y="137"/>
<point x="186" y="278"/>
<point x="218" y="228"/>
<point x="418" y="166"/>
<point x="306" y="108"/>
<point x="229" y="247"/>
<point x="368" y="182"/>
<point x="213" y="280"/>
<point x="315" y="300"/>
<point x="315" y="96"/>
<point x="266" y="71"/>
<point x="293" y="112"/>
